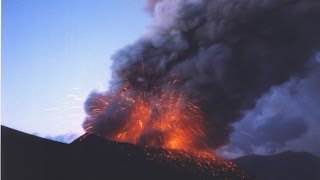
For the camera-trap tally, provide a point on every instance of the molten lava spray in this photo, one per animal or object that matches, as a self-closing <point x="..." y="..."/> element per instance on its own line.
<point x="200" y="65"/>
<point x="166" y="119"/>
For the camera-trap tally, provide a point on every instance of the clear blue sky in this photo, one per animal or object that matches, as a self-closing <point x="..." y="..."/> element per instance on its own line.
<point x="55" y="52"/>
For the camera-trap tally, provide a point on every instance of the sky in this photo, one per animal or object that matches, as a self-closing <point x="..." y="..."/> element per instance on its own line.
<point x="54" y="53"/>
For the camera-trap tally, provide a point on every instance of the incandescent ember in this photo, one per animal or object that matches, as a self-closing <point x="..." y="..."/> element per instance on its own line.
<point x="163" y="118"/>
<point x="171" y="162"/>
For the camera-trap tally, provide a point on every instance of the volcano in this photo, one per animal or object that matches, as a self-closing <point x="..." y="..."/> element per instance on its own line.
<point x="91" y="157"/>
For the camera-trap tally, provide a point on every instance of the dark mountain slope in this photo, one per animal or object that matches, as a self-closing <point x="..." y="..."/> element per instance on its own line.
<point x="93" y="158"/>
<point x="287" y="165"/>
<point x="24" y="156"/>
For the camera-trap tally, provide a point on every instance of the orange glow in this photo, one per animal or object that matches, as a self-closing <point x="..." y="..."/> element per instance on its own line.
<point x="165" y="119"/>
<point x="134" y="127"/>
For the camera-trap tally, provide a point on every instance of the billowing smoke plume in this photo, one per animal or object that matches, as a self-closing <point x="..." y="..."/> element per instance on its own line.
<point x="285" y="118"/>
<point x="228" y="53"/>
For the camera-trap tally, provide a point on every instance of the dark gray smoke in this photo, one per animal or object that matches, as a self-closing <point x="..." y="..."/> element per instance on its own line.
<point x="227" y="52"/>
<point x="285" y="118"/>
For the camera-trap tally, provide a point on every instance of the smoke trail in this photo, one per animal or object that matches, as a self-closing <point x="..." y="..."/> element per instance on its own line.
<point x="228" y="52"/>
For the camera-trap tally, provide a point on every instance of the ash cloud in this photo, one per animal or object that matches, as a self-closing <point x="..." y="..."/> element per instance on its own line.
<point x="285" y="118"/>
<point x="228" y="52"/>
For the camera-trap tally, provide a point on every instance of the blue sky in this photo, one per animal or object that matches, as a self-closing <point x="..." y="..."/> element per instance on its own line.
<point x="55" y="52"/>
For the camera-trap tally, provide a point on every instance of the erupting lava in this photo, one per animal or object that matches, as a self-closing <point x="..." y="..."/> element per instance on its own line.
<point x="166" y="119"/>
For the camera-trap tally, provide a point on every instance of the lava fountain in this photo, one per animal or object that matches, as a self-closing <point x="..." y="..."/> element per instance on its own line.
<point x="162" y="118"/>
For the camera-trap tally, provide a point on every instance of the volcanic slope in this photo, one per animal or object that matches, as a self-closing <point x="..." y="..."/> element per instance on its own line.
<point x="285" y="165"/>
<point x="91" y="157"/>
